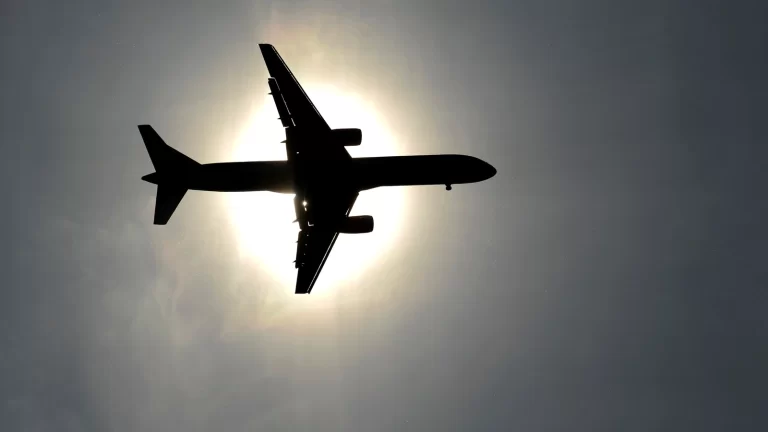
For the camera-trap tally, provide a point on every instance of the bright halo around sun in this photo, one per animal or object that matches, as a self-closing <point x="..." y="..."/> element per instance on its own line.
<point x="263" y="220"/>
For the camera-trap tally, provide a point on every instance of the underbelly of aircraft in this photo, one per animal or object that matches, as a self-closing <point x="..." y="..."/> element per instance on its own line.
<point x="357" y="174"/>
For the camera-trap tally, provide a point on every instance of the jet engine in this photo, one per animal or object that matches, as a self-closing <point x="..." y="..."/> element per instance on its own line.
<point x="356" y="225"/>
<point x="347" y="137"/>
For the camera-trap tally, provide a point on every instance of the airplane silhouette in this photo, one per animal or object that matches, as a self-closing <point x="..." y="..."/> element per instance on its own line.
<point x="319" y="171"/>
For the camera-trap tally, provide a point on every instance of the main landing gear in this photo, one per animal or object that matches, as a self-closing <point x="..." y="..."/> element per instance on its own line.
<point x="448" y="187"/>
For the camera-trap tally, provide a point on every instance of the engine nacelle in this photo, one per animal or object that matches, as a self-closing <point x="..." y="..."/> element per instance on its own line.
<point x="356" y="225"/>
<point x="347" y="137"/>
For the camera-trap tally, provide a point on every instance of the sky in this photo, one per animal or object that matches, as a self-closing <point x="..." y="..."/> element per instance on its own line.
<point x="611" y="276"/>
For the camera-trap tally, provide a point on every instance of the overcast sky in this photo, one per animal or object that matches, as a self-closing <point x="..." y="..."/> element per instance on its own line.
<point x="612" y="276"/>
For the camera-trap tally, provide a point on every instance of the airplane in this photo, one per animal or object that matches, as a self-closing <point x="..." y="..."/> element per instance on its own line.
<point x="318" y="170"/>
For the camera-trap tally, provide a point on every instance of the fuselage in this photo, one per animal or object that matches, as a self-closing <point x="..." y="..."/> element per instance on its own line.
<point x="357" y="173"/>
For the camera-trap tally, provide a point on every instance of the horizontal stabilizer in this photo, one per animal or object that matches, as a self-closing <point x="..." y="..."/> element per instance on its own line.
<point x="168" y="198"/>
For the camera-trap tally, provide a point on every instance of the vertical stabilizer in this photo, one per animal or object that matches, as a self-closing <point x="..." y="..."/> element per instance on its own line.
<point x="164" y="157"/>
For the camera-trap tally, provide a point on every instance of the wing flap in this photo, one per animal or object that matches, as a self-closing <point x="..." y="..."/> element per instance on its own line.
<point x="282" y="109"/>
<point x="317" y="248"/>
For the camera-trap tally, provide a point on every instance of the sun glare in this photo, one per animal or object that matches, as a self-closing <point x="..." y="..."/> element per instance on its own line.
<point x="263" y="220"/>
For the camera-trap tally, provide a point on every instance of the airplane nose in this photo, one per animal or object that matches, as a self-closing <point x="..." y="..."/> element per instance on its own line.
<point x="490" y="171"/>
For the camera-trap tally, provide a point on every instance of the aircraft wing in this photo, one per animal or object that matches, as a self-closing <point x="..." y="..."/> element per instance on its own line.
<point x="309" y="147"/>
<point x="302" y="110"/>
<point x="316" y="248"/>
<point x="297" y="112"/>
<point x="316" y="241"/>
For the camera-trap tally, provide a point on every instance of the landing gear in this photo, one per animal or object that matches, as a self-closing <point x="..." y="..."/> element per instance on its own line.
<point x="448" y="187"/>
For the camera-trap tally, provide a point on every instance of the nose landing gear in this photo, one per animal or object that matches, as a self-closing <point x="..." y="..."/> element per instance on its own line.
<point x="448" y="187"/>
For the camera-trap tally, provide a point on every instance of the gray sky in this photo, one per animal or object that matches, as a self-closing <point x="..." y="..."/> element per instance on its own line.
<point x="612" y="276"/>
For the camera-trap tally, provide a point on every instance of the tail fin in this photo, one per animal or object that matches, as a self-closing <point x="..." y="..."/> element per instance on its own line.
<point x="171" y="166"/>
<point x="164" y="158"/>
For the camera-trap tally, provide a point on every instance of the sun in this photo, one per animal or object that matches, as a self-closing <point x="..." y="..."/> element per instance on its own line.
<point x="263" y="220"/>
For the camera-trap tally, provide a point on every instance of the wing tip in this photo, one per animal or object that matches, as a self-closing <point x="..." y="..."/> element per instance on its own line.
<point x="302" y="287"/>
